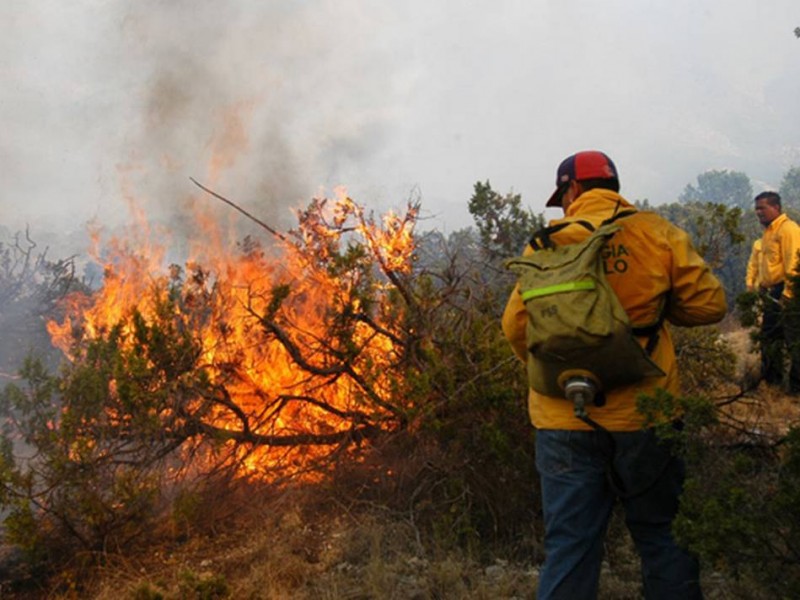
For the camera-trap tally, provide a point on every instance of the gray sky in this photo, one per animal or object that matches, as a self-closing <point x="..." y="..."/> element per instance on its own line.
<point x="271" y="103"/>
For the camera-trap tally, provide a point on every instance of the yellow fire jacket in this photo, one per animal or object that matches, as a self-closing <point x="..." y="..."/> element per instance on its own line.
<point x="650" y="264"/>
<point x="780" y="243"/>
<point x="752" y="279"/>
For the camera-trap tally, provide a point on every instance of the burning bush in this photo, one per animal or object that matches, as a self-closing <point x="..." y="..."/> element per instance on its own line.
<point x="270" y="363"/>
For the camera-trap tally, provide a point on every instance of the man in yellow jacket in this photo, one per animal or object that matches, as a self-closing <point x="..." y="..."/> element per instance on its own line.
<point x="655" y="272"/>
<point x="780" y="244"/>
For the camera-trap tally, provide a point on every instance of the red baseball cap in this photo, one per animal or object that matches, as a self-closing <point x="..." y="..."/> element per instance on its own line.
<point x="589" y="164"/>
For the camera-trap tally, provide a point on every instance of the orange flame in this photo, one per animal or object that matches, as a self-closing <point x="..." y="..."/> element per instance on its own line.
<point x="267" y="335"/>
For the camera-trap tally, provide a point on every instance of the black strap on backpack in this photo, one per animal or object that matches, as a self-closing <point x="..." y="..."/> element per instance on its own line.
<point x="651" y="331"/>
<point x="541" y="239"/>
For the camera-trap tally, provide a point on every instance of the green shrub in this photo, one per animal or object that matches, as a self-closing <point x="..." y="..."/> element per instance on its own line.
<point x="739" y="511"/>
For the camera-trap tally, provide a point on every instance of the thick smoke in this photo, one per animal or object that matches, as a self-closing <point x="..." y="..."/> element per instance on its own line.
<point x="267" y="103"/>
<point x="271" y="103"/>
<point x="248" y="101"/>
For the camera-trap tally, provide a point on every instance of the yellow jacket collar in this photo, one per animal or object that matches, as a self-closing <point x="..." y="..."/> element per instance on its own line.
<point x="597" y="200"/>
<point x="777" y="222"/>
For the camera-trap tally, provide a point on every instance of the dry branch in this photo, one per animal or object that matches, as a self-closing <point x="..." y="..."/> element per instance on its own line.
<point x="253" y="218"/>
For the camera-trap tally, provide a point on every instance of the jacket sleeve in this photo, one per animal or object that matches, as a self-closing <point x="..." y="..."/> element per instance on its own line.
<point x="697" y="296"/>
<point x="790" y="246"/>
<point x="515" y="321"/>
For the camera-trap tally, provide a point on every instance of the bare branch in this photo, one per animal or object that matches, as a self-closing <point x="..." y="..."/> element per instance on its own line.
<point x="355" y="434"/>
<point x="355" y="415"/>
<point x="256" y="220"/>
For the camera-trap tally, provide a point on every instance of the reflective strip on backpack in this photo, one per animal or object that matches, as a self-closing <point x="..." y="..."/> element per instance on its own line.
<point x="571" y="286"/>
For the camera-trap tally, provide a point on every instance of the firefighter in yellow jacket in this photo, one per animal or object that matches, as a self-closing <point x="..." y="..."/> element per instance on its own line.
<point x="752" y="278"/>
<point x="780" y="244"/>
<point x="654" y="270"/>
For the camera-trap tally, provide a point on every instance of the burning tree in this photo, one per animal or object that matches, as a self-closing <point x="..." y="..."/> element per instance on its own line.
<point x="272" y="362"/>
<point x="287" y="351"/>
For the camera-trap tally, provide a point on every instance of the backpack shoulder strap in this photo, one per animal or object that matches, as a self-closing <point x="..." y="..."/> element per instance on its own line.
<point x="619" y="215"/>
<point x="541" y="239"/>
<point x="651" y="331"/>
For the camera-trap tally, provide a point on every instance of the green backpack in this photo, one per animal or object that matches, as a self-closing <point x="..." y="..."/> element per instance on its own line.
<point x="577" y="328"/>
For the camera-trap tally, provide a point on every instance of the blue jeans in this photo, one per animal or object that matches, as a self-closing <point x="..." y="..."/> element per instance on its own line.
<point x="578" y="498"/>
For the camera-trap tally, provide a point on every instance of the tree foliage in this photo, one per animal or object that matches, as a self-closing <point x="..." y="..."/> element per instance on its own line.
<point x="739" y="510"/>
<point x="503" y="225"/>
<point x="30" y="287"/>
<point x="790" y="189"/>
<point x="730" y="188"/>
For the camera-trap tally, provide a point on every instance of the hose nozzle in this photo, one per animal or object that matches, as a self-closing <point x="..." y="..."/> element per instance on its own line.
<point x="581" y="391"/>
